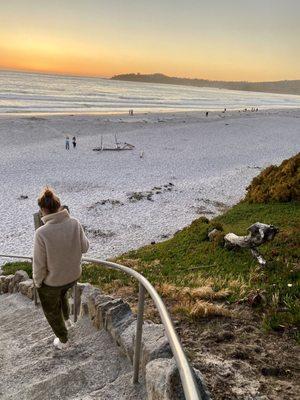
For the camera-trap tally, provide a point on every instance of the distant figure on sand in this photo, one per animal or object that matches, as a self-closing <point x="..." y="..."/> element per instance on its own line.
<point x="58" y="247"/>
<point x="67" y="143"/>
<point x="206" y="113"/>
<point x="74" y="142"/>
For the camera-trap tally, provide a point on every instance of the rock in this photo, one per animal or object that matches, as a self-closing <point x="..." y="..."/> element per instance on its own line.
<point x="117" y="319"/>
<point x="84" y="309"/>
<point x="164" y="236"/>
<point x="154" y="343"/>
<point x="102" y="299"/>
<point x="27" y="288"/>
<point x="2" y="279"/>
<point x="5" y="284"/>
<point x="213" y="234"/>
<point x="224" y="336"/>
<point x="91" y="298"/>
<point x="103" y="305"/>
<point x="20" y="276"/>
<point x="275" y="371"/>
<point x="163" y="381"/>
<point x="81" y="286"/>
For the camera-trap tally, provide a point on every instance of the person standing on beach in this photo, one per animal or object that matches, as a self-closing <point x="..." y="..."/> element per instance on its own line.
<point x="67" y="143"/>
<point x="58" y="248"/>
<point x="74" y="142"/>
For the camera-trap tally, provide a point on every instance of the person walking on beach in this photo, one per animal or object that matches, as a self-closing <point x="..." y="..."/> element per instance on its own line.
<point x="67" y="143"/>
<point x="58" y="248"/>
<point x="74" y="142"/>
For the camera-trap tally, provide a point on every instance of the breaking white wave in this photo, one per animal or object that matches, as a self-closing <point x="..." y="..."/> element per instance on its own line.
<point x="52" y="94"/>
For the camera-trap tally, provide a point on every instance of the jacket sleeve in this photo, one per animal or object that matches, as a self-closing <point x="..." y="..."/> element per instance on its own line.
<point x="83" y="241"/>
<point x="39" y="270"/>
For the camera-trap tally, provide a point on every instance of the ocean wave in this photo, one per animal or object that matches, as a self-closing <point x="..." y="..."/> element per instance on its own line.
<point x="29" y="92"/>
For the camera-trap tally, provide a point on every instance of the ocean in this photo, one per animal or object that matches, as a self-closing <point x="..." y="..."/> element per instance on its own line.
<point x="55" y="94"/>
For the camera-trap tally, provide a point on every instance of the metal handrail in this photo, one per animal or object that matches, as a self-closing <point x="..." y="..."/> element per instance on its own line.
<point x="187" y="377"/>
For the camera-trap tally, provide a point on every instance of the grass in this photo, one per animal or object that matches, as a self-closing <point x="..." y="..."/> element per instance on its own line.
<point x="11" y="268"/>
<point x="197" y="276"/>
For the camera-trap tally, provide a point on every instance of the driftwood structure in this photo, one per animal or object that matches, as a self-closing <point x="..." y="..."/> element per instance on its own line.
<point x="119" y="146"/>
<point x="258" y="234"/>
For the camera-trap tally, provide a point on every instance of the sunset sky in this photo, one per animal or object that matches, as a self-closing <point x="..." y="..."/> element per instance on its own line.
<point x="251" y="40"/>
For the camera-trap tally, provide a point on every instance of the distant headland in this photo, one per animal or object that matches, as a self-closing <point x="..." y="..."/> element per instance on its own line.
<point x="281" y="87"/>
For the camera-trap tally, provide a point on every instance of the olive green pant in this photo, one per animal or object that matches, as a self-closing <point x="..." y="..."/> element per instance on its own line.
<point x="55" y="304"/>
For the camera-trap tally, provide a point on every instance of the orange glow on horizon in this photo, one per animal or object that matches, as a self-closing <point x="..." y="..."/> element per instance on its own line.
<point x="98" y="38"/>
<point x="47" y="59"/>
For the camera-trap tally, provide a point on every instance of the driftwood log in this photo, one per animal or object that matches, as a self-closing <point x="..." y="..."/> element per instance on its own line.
<point x="258" y="234"/>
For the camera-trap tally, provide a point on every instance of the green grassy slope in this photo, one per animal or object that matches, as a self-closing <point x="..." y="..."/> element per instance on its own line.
<point x="189" y="260"/>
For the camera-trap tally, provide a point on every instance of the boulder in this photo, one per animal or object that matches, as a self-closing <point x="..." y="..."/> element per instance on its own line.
<point x="154" y="343"/>
<point x="163" y="381"/>
<point x="20" y="276"/>
<point x="93" y="294"/>
<point x="99" y="300"/>
<point x="103" y="304"/>
<point x="6" y="282"/>
<point x="27" y="288"/>
<point x="117" y="319"/>
<point x="212" y="234"/>
<point x="80" y="287"/>
<point x="2" y="279"/>
<point x="126" y="340"/>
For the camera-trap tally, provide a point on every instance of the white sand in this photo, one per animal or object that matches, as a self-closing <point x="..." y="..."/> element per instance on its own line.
<point x="207" y="159"/>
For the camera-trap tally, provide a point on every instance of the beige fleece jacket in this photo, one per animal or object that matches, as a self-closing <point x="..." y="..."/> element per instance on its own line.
<point x="58" y="247"/>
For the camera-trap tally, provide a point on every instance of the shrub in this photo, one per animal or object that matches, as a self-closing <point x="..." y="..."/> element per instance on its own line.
<point x="276" y="183"/>
<point x="11" y="268"/>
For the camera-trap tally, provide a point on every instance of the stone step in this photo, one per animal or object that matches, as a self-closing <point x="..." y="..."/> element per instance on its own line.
<point x="31" y="368"/>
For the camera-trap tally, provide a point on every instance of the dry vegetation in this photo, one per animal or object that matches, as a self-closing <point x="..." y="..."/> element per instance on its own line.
<point x="277" y="183"/>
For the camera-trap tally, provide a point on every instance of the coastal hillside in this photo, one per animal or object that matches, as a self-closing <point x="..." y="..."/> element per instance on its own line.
<point x="189" y="261"/>
<point x="239" y="323"/>
<point x="283" y="87"/>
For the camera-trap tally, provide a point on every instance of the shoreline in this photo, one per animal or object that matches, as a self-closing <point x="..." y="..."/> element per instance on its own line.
<point x="145" y="113"/>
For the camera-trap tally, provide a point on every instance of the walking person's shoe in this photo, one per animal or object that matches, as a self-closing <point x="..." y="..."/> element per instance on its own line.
<point x="69" y="324"/>
<point x="59" y="345"/>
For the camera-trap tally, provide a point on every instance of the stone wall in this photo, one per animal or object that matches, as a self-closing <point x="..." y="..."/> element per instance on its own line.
<point x="157" y="366"/>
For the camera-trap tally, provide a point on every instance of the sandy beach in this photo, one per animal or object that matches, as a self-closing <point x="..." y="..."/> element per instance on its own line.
<point x="192" y="165"/>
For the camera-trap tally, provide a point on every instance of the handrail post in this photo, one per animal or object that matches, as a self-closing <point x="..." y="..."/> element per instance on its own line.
<point x="138" y="335"/>
<point x="75" y="302"/>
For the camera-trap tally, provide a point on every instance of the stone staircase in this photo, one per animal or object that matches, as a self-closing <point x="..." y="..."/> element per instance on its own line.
<point x="97" y="364"/>
<point x="31" y="369"/>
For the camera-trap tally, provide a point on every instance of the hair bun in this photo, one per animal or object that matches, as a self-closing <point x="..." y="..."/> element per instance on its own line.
<point x="48" y="193"/>
<point x="49" y="200"/>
